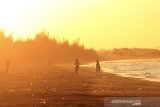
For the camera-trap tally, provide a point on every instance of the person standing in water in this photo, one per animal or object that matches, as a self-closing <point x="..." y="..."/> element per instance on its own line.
<point x="98" y="68"/>
<point x="76" y="67"/>
<point x="7" y="65"/>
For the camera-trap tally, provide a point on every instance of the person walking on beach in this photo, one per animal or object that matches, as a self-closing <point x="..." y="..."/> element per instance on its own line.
<point x="98" y="68"/>
<point x="7" y="65"/>
<point x="76" y="67"/>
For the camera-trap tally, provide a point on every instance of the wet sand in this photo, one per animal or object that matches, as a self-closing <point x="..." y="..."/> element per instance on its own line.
<point x="56" y="86"/>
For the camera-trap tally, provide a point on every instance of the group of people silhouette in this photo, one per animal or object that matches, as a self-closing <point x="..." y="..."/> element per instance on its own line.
<point x="98" y="67"/>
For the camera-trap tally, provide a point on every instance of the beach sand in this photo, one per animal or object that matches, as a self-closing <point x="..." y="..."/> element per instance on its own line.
<point x="56" y="86"/>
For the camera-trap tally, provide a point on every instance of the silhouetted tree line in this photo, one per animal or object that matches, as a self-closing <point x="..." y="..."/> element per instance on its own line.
<point x="130" y="53"/>
<point x="43" y="49"/>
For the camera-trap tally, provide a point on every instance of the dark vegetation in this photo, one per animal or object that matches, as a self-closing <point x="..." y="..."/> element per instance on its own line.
<point x="43" y="49"/>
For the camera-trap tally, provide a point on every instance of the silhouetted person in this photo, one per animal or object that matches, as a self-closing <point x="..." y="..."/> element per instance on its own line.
<point x="7" y="65"/>
<point x="76" y="66"/>
<point x="98" y="68"/>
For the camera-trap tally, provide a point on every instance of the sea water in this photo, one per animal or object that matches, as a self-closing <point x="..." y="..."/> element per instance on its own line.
<point x="148" y="69"/>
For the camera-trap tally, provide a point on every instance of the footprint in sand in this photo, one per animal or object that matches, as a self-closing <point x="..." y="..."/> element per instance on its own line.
<point x="94" y="91"/>
<point x="139" y="89"/>
<point x="11" y="90"/>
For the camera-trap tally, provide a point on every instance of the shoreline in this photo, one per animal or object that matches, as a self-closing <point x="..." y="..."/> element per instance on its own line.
<point x="145" y="87"/>
<point x="144" y="76"/>
<point x="128" y="76"/>
<point x="130" y="59"/>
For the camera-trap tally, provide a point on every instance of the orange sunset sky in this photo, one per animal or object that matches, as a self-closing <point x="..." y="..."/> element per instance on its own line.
<point x="100" y="24"/>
